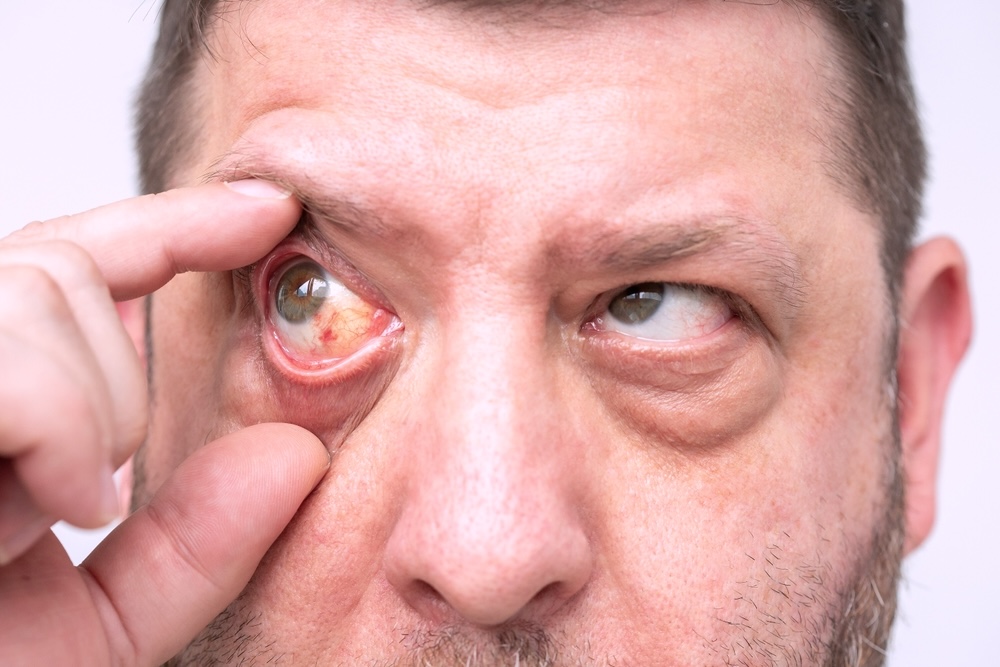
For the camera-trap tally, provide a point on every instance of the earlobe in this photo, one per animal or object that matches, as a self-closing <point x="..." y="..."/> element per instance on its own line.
<point x="935" y="328"/>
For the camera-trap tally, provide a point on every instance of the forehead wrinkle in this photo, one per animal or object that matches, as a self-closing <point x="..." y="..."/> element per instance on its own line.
<point x="550" y="14"/>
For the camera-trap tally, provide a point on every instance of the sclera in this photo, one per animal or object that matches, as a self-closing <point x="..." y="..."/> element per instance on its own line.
<point x="319" y="350"/>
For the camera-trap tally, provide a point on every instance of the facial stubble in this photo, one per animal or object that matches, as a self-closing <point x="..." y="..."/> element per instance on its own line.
<point x="852" y="630"/>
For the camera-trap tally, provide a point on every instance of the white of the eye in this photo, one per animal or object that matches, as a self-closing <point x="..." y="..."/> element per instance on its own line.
<point x="684" y="314"/>
<point x="304" y="335"/>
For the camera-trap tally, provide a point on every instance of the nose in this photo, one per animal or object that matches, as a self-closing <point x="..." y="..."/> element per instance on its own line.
<point x="491" y="528"/>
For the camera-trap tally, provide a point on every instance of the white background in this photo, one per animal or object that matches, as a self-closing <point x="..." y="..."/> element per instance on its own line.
<point x="68" y="74"/>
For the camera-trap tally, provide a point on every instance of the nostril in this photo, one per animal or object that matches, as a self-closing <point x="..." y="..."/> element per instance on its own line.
<point x="428" y="602"/>
<point x="425" y="599"/>
<point x="552" y="597"/>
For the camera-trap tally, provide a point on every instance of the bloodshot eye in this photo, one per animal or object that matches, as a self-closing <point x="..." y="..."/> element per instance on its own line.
<point x="316" y="319"/>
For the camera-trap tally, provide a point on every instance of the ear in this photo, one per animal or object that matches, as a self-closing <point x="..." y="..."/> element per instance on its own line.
<point x="936" y="324"/>
<point x="133" y="317"/>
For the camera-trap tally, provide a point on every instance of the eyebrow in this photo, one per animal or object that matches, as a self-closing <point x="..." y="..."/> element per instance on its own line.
<point x="317" y="207"/>
<point x="729" y="238"/>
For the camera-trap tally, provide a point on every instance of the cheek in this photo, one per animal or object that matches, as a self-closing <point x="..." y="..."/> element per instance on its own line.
<point x="755" y="492"/>
<point x="187" y="356"/>
<point x="212" y="375"/>
<point x="256" y="386"/>
<point x="725" y="549"/>
<point x="692" y="408"/>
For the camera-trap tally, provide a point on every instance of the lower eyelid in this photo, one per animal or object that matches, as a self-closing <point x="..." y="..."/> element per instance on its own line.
<point x="666" y="365"/>
<point x="368" y="356"/>
<point x="597" y="327"/>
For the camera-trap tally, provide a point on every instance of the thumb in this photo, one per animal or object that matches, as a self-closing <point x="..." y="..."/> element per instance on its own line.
<point x="176" y="563"/>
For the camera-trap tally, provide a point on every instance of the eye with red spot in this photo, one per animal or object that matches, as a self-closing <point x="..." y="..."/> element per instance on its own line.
<point x="316" y="319"/>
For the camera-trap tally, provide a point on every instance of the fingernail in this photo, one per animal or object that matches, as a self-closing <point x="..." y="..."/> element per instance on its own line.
<point x="110" y="507"/>
<point x="254" y="187"/>
<point x="21" y="541"/>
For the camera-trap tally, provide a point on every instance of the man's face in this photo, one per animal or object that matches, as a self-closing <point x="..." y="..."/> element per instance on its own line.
<point x="605" y="379"/>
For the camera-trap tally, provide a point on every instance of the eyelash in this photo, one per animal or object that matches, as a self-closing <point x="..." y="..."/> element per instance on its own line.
<point x="243" y="289"/>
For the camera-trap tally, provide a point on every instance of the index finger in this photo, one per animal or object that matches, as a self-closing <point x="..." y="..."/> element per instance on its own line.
<point x="140" y="244"/>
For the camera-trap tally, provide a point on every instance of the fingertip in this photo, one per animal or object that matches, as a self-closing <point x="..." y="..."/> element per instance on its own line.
<point x="259" y="189"/>
<point x="306" y="444"/>
<point x="139" y="244"/>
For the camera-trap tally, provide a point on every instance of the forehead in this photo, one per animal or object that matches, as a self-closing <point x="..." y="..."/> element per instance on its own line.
<point x="705" y="63"/>
<point x="541" y="119"/>
<point x="441" y="79"/>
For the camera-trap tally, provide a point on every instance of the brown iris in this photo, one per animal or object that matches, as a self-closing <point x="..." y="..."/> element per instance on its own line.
<point x="637" y="303"/>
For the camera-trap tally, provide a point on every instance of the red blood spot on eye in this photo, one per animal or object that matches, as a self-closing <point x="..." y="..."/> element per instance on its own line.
<point x="343" y="331"/>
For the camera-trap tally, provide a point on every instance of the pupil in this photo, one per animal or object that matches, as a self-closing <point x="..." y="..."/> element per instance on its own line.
<point x="301" y="292"/>
<point x="637" y="303"/>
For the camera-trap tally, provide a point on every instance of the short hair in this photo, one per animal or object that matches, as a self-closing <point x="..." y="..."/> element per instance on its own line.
<point x="878" y="154"/>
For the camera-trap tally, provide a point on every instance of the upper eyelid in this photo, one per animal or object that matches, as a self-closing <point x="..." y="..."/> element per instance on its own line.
<point x="764" y="257"/>
<point x="601" y="302"/>
<point x="726" y="236"/>
<point x="304" y="242"/>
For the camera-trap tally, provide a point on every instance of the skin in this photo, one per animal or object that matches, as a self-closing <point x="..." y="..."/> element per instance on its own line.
<point x="512" y="482"/>
<point x="495" y="465"/>
<point x="172" y="566"/>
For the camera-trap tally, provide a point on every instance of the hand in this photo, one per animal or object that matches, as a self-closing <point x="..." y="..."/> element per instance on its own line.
<point x="73" y="407"/>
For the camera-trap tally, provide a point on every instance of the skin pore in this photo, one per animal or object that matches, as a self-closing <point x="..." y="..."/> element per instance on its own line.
<point x="514" y="480"/>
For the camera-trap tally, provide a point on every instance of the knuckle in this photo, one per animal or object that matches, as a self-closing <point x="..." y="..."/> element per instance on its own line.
<point x="65" y="263"/>
<point x="31" y="233"/>
<point x="28" y="289"/>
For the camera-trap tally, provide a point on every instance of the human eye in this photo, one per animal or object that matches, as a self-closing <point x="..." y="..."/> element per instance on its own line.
<point x="315" y="319"/>
<point x="665" y="312"/>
